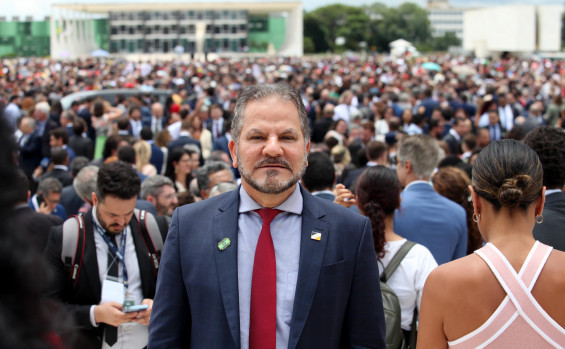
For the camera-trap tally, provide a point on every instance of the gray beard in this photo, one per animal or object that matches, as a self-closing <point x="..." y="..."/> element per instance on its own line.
<point x="270" y="185"/>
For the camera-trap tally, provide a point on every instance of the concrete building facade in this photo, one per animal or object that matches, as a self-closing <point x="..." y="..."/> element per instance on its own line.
<point x="179" y="28"/>
<point x="520" y="29"/>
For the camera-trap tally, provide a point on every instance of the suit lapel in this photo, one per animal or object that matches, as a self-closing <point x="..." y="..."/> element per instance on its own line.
<point x="90" y="259"/>
<point x="224" y="225"/>
<point x="311" y="257"/>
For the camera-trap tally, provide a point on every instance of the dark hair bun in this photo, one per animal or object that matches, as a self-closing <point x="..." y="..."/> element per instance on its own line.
<point x="511" y="192"/>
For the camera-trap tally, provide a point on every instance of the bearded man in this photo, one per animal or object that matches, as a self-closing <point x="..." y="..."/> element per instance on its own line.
<point x="268" y="265"/>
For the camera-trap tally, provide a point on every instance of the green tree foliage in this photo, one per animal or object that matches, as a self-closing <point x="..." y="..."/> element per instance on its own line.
<point x="442" y="43"/>
<point x="376" y="24"/>
<point x="334" y="21"/>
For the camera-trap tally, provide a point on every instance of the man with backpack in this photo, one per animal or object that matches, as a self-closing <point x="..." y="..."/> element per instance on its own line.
<point x="105" y="263"/>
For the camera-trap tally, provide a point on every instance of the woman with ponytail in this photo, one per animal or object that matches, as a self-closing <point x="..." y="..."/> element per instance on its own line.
<point x="377" y="195"/>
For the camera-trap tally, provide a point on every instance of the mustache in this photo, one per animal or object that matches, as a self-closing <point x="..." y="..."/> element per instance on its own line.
<point x="273" y="161"/>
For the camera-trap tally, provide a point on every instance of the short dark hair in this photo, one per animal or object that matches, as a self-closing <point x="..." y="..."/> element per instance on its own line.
<point x="111" y="144"/>
<point x="60" y="133"/>
<point x="78" y="164"/>
<point x="79" y="126"/>
<point x="117" y="179"/>
<point x="59" y="155"/>
<point x="146" y="134"/>
<point x="549" y="143"/>
<point x="123" y="123"/>
<point x="375" y="149"/>
<point x="320" y="173"/>
<point x="126" y="153"/>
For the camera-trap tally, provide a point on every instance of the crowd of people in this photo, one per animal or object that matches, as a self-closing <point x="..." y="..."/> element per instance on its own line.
<point x="452" y="160"/>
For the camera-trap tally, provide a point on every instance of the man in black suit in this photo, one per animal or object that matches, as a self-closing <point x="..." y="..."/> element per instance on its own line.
<point x="114" y="246"/>
<point x="549" y="143"/>
<point x="319" y="177"/>
<point x="157" y="158"/>
<point x="322" y="126"/>
<point x="461" y="127"/>
<point x="30" y="146"/>
<point x="35" y="224"/>
<point x="79" y="142"/>
<point x="60" y="171"/>
<point x="70" y="199"/>
<point x="44" y="126"/>
<point x="184" y="137"/>
<point x="377" y="154"/>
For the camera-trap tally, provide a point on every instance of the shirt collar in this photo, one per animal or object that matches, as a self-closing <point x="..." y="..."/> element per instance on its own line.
<point x="292" y="204"/>
<point x="552" y="191"/>
<point x="455" y="134"/>
<point x="61" y="167"/>
<point x="417" y="182"/>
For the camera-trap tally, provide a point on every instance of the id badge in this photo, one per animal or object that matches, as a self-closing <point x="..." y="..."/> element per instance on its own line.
<point x="112" y="290"/>
<point x="128" y="301"/>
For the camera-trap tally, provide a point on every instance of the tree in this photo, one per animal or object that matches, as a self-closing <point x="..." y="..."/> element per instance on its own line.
<point x="314" y="33"/>
<point x="341" y="20"/>
<point x="442" y="43"/>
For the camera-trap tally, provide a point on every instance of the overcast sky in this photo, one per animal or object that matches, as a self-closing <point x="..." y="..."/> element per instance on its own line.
<point x="41" y="8"/>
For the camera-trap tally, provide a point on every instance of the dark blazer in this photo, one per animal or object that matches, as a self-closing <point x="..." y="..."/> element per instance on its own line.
<point x="82" y="146"/>
<point x="61" y="175"/>
<point x="157" y="157"/>
<point x="351" y="177"/>
<point x="181" y="141"/>
<point x="70" y="200"/>
<point x="452" y="143"/>
<point x="36" y="225"/>
<point x="320" y="129"/>
<point x="88" y="290"/>
<point x="337" y="303"/>
<point x="30" y="154"/>
<point x="45" y="147"/>
<point x="552" y="230"/>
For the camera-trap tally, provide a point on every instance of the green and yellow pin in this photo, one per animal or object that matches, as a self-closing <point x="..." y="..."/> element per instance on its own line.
<point x="225" y="243"/>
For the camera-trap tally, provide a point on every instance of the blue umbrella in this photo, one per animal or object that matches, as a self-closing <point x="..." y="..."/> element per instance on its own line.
<point x="431" y="66"/>
<point x="99" y="53"/>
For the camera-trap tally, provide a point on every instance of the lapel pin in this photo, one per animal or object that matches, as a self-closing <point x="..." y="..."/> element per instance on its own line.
<point x="222" y="245"/>
<point x="316" y="236"/>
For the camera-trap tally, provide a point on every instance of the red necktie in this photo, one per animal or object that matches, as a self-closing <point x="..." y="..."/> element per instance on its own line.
<point x="263" y="315"/>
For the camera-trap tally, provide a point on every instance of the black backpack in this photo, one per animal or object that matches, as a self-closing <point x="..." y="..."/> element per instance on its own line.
<point x="394" y="335"/>
<point x="74" y="232"/>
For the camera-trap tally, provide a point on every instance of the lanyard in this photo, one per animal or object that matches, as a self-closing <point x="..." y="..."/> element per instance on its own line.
<point x="120" y="254"/>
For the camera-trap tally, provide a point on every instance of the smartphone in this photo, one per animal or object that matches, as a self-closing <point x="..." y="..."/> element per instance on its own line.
<point x="138" y="307"/>
<point x="40" y="199"/>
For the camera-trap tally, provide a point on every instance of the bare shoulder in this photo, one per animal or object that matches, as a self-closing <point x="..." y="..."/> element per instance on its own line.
<point x="456" y="278"/>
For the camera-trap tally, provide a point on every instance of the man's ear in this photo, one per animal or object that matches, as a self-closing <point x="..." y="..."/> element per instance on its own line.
<point x="233" y="152"/>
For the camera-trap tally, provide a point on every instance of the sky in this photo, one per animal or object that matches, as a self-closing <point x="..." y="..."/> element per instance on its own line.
<point x="41" y="8"/>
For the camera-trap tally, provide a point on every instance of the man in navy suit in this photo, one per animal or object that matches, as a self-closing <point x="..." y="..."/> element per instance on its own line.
<point x="30" y="146"/>
<point x="319" y="290"/>
<point x="424" y="216"/>
<point x="157" y="158"/>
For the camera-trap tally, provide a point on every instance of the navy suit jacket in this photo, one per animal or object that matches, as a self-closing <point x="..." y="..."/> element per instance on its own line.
<point x="432" y="220"/>
<point x="338" y="299"/>
<point x="30" y="154"/>
<point x="157" y="157"/>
